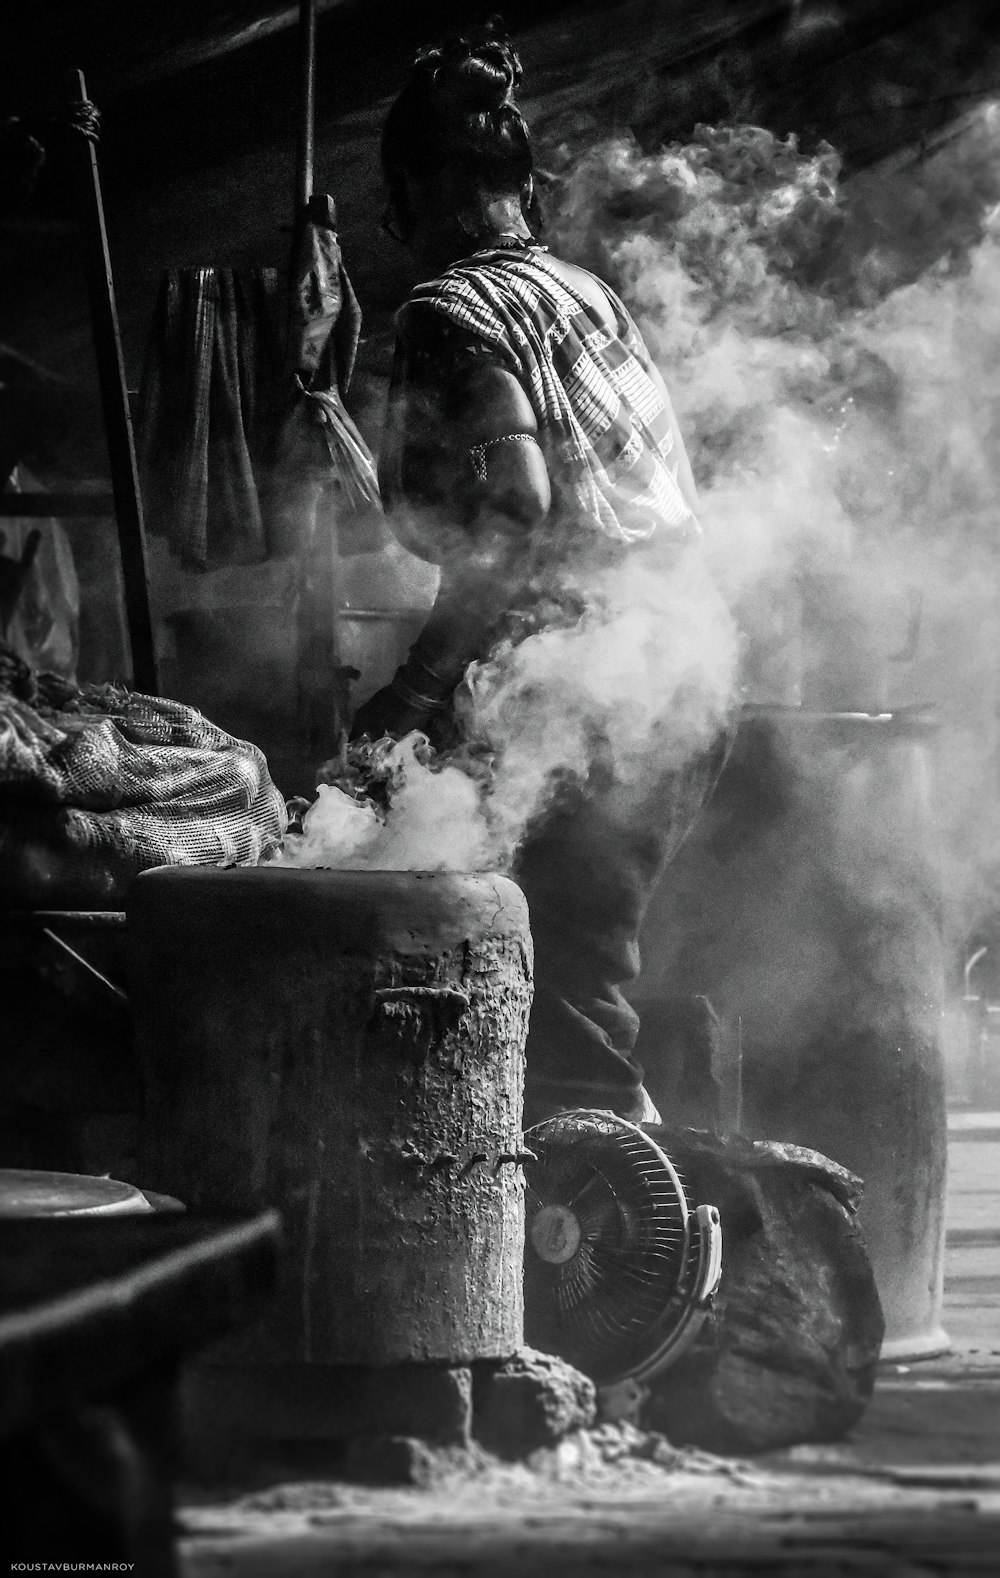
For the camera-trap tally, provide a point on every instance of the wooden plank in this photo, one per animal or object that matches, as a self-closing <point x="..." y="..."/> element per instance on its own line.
<point x="114" y="399"/>
<point x="86" y="1302"/>
<point x="58" y="506"/>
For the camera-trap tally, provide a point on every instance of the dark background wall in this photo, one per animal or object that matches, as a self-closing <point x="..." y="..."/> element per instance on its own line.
<point x="200" y="114"/>
<point x="199" y="102"/>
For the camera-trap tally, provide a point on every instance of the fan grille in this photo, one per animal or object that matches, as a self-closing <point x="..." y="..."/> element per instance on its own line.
<point x="609" y="1241"/>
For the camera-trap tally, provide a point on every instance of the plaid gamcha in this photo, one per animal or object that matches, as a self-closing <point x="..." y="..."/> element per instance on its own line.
<point x="603" y="426"/>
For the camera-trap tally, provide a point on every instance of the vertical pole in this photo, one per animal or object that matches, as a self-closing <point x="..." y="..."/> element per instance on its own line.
<point x="307" y="105"/>
<point x="322" y="711"/>
<point x="114" y="400"/>
<point x="737" y="1122"/>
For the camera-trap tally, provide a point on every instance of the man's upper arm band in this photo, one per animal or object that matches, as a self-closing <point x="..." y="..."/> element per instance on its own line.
<point x="478" y="452"/>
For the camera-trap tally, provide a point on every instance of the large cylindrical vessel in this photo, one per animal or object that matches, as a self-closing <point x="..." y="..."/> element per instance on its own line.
<point x="348" y="1047"/>
<point x="807" y="908"/>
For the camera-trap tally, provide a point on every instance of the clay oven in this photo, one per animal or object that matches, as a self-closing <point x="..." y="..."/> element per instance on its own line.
<point x="347" y="1046"/>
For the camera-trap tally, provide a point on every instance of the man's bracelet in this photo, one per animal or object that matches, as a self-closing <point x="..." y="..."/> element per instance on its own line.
<point x="415" y="662"/>
<point x="415" y="698"/>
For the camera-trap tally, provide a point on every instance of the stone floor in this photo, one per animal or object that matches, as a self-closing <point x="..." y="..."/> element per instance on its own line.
<point x="915" y="1491"/>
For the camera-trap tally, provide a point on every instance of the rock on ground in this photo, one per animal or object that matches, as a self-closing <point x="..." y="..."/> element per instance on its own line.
<point x="529" y="1401"/>
<point x="792" y="1351"/>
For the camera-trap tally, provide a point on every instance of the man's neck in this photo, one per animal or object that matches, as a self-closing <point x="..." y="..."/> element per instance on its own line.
<point x="503" y="218"/>
<point x="436" y="245"/>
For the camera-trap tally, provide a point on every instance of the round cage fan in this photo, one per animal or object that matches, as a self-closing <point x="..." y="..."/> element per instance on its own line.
<point x="619" y="1270"/>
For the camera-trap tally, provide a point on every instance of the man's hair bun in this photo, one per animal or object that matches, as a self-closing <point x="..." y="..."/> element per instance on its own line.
<point x="457" y="113"/>
<point x="476" y="75"/>
<point x="477" y="85"/>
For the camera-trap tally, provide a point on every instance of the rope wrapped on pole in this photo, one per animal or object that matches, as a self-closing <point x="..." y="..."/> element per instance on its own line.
<point x="84" y="117"/>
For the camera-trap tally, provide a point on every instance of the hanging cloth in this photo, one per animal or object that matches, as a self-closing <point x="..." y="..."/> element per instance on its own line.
<point x="210" y="372"/>
<point x="315" y="443"/>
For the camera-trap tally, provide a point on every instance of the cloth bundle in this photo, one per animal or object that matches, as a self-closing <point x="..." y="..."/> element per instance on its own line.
<point x="98" y="783"/>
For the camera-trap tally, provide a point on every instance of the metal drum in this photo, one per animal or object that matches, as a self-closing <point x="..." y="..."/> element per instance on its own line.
<point x="807" y="908"/>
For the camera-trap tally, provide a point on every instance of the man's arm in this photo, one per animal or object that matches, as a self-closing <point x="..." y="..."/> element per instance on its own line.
<point x="469" y="487"/>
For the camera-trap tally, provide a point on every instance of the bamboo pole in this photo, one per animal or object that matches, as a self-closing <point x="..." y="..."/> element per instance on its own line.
<point x="307" y="105"/>
<point x="114" y="400"/>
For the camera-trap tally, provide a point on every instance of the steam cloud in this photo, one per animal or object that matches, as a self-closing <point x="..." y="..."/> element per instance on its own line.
<point x="435" y="823"/>
<point x="833" y="352"/>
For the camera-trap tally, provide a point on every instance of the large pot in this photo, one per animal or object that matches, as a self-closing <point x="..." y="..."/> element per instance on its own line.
<point x="348" y="1047"/>
<point x="806" y="907"/>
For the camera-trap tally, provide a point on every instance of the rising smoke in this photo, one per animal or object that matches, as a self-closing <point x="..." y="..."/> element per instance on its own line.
<point x="833" y="355"/>
<point x="435" y="819"/>
<point x="833" y="352"/>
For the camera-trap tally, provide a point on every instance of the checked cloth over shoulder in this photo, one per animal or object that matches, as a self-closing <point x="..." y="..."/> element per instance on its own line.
<point x="603" y="427"/>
